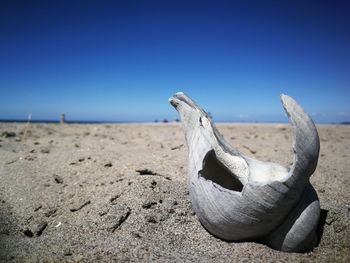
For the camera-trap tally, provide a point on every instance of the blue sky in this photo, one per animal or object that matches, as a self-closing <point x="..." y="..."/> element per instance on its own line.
<point x="122" y="60"/>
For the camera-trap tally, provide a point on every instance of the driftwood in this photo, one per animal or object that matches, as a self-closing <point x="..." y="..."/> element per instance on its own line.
<point x="239" y="198"/>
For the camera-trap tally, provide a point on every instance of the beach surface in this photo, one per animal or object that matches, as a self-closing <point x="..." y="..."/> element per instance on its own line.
<point x="118" y="192"/>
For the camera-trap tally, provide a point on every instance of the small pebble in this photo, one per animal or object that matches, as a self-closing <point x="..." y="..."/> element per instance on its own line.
<point x="50" y="212"/>
<point x="45" y="150"/>
<point x="109" y="164"/>
<point x="151" y="219"/>
<point x="58" y="179"/>
<point x="148" y="204"/>
<point x="8" y="134"/>
<point x="28" y="232"/>
<point x="37" y="208"/>
<point x="40" y="228"/>
<point x="77" y="208"/>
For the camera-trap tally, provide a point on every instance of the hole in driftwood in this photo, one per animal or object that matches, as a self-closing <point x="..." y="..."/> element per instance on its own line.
<point x="215" y="171"/>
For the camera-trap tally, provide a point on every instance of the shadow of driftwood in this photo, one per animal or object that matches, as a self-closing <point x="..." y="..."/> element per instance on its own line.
<point x="320" y="228"/>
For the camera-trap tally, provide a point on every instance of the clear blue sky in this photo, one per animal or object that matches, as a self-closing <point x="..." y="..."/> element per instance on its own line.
<point x="122" y="60"/>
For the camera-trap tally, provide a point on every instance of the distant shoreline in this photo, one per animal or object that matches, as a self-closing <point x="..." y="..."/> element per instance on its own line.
<point x="155" y="122"/>
<point x="56" y="121"/>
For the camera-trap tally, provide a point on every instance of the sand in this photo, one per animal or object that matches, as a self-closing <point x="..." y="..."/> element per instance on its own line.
<point x="102" y="193"/>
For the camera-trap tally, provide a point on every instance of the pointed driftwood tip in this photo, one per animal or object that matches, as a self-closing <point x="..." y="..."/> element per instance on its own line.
<point x="286" y="99"/>
<point x="177" y="94"/>
<point x="289" y="103"/>
<point x="173" y="101"/>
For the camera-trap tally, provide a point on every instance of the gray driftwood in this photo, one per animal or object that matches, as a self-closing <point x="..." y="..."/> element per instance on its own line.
<point x="239" y="198"/>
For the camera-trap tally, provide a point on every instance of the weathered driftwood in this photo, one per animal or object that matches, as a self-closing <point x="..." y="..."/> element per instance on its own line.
<point x="239" y="198"/>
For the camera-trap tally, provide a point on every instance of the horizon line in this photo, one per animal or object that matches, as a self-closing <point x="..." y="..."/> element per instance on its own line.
<point x="165" y="120"/>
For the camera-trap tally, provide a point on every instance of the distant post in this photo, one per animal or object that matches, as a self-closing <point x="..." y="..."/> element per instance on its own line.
<point x="63" y="118"/>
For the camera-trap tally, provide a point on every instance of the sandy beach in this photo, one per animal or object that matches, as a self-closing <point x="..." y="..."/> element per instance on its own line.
<point x="118" y="192"/>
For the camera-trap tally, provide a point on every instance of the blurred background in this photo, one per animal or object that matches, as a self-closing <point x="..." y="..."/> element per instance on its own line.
<point x="122" y="60"/>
